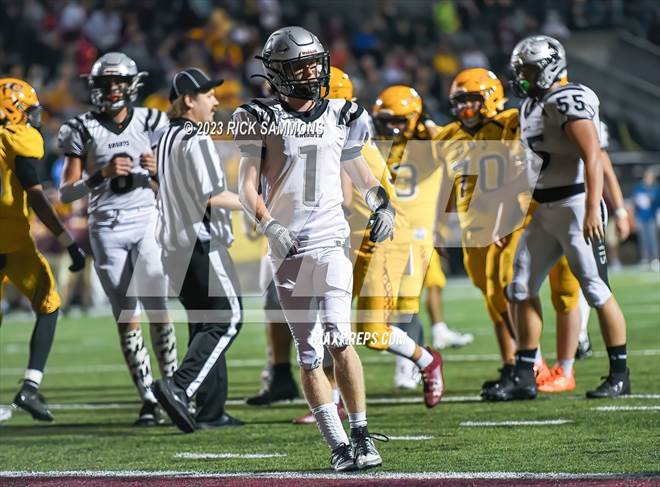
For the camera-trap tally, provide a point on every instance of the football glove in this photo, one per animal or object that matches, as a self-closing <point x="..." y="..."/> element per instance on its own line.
<point x="282" y="242"/>
<point x="381" y="223"/>
<point x="77" y="257"/>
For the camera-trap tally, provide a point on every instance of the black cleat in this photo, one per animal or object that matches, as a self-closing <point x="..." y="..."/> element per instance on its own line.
<point x="174" y="401"/>
<point x="584" y="349"/>
<point x="364" y="451"/>
<point x="30" y="400"/>
<point x="342" y="459"/>
<point x="280" y="389"/>
<point x="615" y="385"/>
<point x="224" y="421"/>
<point x="521" y="384"/>
<point x="505" y="371"/>
<point x="150" y="415"/>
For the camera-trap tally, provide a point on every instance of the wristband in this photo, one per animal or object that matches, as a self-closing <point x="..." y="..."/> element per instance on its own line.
<point x="95" y="179"/>
<point x="65" y="239"/>
<point x="621" y="213"/>
<point x="263" y="225"/>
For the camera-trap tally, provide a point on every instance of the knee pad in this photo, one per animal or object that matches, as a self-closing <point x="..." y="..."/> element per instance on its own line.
<point x="309" y="360"/>
<point x="596" y="293"/>
<point x="517" y="292"/>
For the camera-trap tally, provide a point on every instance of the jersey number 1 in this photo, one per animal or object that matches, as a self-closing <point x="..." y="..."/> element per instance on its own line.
<point x="309" y="153"/>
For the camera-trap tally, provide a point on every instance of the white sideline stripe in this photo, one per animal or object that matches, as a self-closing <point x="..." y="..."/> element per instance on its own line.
<point x="411" y="438"/>
<point x="301" y="402"/>
<point x="376" y="359"/>
<point x="546" y="422"/>
<point x="329" y="476"/>
<point x="626" y="408"/>
<point x="213" y="456"/>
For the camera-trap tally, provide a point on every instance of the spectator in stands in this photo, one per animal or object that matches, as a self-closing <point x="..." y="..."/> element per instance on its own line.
<point x="647" y="201"/>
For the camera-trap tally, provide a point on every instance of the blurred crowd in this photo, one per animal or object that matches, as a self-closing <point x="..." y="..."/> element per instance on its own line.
<point x="424" y="43"/>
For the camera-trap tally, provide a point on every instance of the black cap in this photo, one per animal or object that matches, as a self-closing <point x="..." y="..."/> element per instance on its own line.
<point x="191" y="80"/>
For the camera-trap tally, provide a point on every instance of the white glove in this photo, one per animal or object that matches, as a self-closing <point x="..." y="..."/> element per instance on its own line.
<point x="282" y="242"/>
<point x="381" y="223"/>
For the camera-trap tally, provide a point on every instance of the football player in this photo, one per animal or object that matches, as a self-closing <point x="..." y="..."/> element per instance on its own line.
<point x="561" y="124"/>
<point x="21" y="154"/>
<point x="290" y="184"/>
<point x="109" y="157"/>
<point x="399" y="117"/>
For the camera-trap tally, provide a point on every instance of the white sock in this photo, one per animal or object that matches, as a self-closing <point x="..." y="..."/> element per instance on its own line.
<point x="440" y="325"/>
<point x="585" y="311"/>
<point x="425" y="359"/>
<point x="327" y="419"/>
<point x="357" y="420"/>
<point x="567" y="366"/>
<point x="34" y="376"/>
<point x="163" y="341"/>
<point x="139" y="364"/>
<point x="400" y="343"/>
<point x="538" y="360"/>
<point x="336" y="396"/>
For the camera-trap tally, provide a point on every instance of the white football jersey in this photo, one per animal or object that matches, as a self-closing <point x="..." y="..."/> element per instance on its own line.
<point x="542" y="128"/>
<point x="96" y="140"/>
<point x="301" y="156"/>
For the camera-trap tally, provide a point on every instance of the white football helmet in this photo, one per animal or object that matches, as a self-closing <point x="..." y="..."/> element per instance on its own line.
<point x="537" y="62"/>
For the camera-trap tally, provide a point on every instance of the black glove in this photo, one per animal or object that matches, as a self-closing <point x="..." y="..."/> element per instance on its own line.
<point x="282" y="242"/>
<point x="77" y="257"/>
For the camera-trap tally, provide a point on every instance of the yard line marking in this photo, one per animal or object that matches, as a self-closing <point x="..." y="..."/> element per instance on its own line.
<point x="214" y="456"/>
<point x="626" y="408"/>
<point x="642" y="396"/>
<point x="546" y="422"/>
<point x="377" y="359"/>
<point x="329" y="475"/>
<point x="411" y="438"/>
<point x="239" y="402"/>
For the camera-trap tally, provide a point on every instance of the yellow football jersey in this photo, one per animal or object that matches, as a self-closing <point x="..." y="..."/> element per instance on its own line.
<point x="417" y="179"/>
<point x="15" y="140"/>
<point x="466" y="153"/>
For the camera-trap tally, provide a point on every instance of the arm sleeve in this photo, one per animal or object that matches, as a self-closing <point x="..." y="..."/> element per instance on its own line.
<point x="571" y="104"/>
<point x="248" y="142"/>
<point x="27" y="171"/>
<point x="357" y="125"/>
<point x="70" y="140"/>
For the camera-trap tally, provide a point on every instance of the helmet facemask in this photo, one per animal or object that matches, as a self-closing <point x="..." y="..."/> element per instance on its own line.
<point x="395" y="127"/>
<point x="306" y="77"/>
<point x="537" y="63"/>
<point x="112" y="93"/>
<point x="467" y="107"/>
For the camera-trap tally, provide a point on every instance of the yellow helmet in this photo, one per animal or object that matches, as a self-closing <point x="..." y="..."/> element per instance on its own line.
<point x="18" y="103"/>
<point x="341" y="85"/>
<point x="398" y="105"/>
<point x="482" y="82"/>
